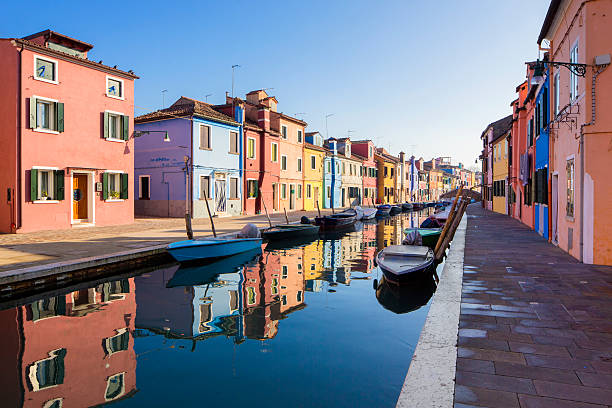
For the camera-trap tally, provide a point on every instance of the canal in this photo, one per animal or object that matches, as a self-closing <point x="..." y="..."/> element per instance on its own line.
<point x="296" y="326"/>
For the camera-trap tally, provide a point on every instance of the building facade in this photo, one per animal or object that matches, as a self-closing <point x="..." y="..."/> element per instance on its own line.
<point x="66" y="127"/>
<point x="314" y="156"/>
<point x="212" y="143"/>
<point x="291" y="150"/>
<point x="365" y="150"/>
<point x="386" y="165"/>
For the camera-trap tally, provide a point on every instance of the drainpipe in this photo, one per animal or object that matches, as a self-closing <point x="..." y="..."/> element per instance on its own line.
<point x="17" y="209"/>
<point x="581" y="148"/>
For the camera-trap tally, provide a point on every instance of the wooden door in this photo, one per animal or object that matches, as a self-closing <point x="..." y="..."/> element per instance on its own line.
<point x="316" y="196"/>
<point x="220" y="195"/>
<point x="79" y="197"/>
<point x="291" y="196"/>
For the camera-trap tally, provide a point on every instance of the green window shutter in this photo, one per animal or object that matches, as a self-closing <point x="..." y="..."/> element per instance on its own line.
<point x="125" y="127"/>
<point x="105" y="186"/>
<point x="256" y="189"/>
<point x="33" y="184"/>
<point x="124" y="186"/>
<point x="59" y="185"/>
<point x="105" y="125"/>
<point x="33" y="113"/>
<point x="59" y="117"/>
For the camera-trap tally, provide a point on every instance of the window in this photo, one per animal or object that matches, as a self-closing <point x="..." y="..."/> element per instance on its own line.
<point x="45" y="308"/>
<point x="45" y="69"/>
<point x="116" y="126"/>
<point x="556" y="92"/>
<point x="569" y="167"/>
<point x="274" y="152"/>
<point x="329" y="167"/>
<point x="251" y="295"/>
<point x="205" y="137"/>
<point x="46" y="184"/>
<point x="308" y="191"/>
<point x="115" y="386"/>
<point x="233" y="188"/>
<point x="234" y="143"/>
<point x="392" y="169"/>
<point x="116" y="343"/>
<point x="573" y="76"/>
<point x="250" y="148"/>
<point x="348" y="150"/>
<point x="370" y="152"/>
<point x="114" y="88"/>
<point x="252" y="188"/>
<point x="343" y="168"/>
<point x="204" y="187"/>
<point x="48" y="372"/>
<point x="299" y="136"/>
<point x="283" y="162"/>
<point x="144" y="192"/>
<point x="328" y="192"/>
<point x="313" y="162"/>
<point x="299" y="191"/>
<point x="46" y="115"/>
<point x="386" y="171"/>
<point x="299" y="164"/>
<point x="114" y="185"/>
<point x="284" y="131"/>
<point x="284" y="191"/>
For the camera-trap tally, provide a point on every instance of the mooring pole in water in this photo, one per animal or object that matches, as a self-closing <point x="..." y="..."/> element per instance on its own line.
<point x="212" y="223"/>
<point x="265" y="209"/>
<point x="318" y="209"/>
<point x="286" y="218"/>
<point x="448" y="221"/>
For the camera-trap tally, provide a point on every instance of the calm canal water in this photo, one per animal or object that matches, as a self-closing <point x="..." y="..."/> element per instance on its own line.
<point x="299" y="326"/>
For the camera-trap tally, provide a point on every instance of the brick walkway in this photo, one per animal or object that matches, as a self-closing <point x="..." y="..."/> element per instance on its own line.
<point x="535" y="327"/>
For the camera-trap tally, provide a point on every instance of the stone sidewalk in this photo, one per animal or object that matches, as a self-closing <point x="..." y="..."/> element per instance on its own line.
<point x="535" y="328"/>
<point x="45" y="247"/>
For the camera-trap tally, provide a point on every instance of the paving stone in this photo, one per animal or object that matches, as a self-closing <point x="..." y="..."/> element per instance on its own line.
<point x="472" y="333"/>
<point x="483" y="343"/>
<point x="558" y="362"/>
<point x="524" y="338"/>
<point x="531" y="401"/>
<point x="495" y="382"/>
<point x="485" y="398"/>
<point x="477" y="366"/>
<point x="539" y="349"/>
<point x="555" y="341"/>
<point x="597" y="380"/>
<point x="573" y="392"/>
<point x="536" y="373"/>
<point x="491" y="355"/>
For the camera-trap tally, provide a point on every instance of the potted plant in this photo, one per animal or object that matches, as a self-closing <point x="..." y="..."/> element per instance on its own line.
<point x="44" y="195"/>
<point x="114" y="194"/>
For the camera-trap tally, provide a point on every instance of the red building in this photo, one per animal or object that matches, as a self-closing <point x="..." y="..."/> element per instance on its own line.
<point x="65" y="129"/>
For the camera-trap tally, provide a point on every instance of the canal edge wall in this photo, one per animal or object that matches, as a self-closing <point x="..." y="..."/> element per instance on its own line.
<point x="430" y="381"/>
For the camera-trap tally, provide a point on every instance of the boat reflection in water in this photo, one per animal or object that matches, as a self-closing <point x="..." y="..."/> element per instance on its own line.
<point x="405" y="298"/>
<point x="266" y="322"/>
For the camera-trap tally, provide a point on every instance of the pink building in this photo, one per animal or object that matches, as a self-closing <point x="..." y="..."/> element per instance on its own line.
<point x="65" y="128"/>
<point x="579" y="32"/>
<point x="365" y="150"/>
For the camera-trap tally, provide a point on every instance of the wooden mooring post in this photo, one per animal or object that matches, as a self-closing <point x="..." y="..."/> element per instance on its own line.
<point x="452" y="223"/>
<point x="265" y="209"/>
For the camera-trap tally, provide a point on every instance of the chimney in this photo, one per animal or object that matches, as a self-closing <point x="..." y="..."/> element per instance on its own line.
<point x="263" y="118"/>
<point x="401" y="157"/>
<point x="228" y="99"/>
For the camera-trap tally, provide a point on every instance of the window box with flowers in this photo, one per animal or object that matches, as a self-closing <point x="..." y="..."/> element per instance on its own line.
<point x="114" y="186"/>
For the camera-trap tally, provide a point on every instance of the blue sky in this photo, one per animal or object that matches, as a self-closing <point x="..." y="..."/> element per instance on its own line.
<point x="422" y="77"/>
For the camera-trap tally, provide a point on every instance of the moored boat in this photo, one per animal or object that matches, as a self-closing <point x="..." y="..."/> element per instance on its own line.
<point x="383" y="210"/>
<point x="417" y="206"/>
<point x="402" y="263"/>
<point x="406" y="207"/>
<point x="208" y="272"/>
<point x="289" y="231"/>
<point x="395" y="209"/>
<point x="429" y="236"/>
<point x="338" y="221"/>
<point x="365" y="213"/>
<point x="206" y="248"/>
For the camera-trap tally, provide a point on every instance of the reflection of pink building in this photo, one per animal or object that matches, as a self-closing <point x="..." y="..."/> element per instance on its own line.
<point x="75" y="348"/>
<point x="65" y="129"/>
<point x="581" y="127"/>
<point x="261" y="290"/>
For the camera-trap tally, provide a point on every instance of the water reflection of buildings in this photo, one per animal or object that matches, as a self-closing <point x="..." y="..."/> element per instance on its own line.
<point x="74" y="349"/>
<point x="189" y="312"/>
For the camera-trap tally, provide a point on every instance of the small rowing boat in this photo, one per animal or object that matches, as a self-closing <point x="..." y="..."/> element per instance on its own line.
<point x="364" y="213"/>
<point x="289" y="231"/>
<point x="401" y="263"/>
<point x="395" y="209"/>
<point x="383" y="210"/>
<point x="429" y="236"/>
<point x="338" y="221"/>
<point x="206" y="248"/>
<point x="406" y="207"/>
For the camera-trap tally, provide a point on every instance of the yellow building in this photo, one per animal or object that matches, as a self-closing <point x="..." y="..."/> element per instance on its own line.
<point x="313" y="261"/>
<point x="386" y="176"/>
<point x="500" y="174"/>
<point x="314" y="156"/>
